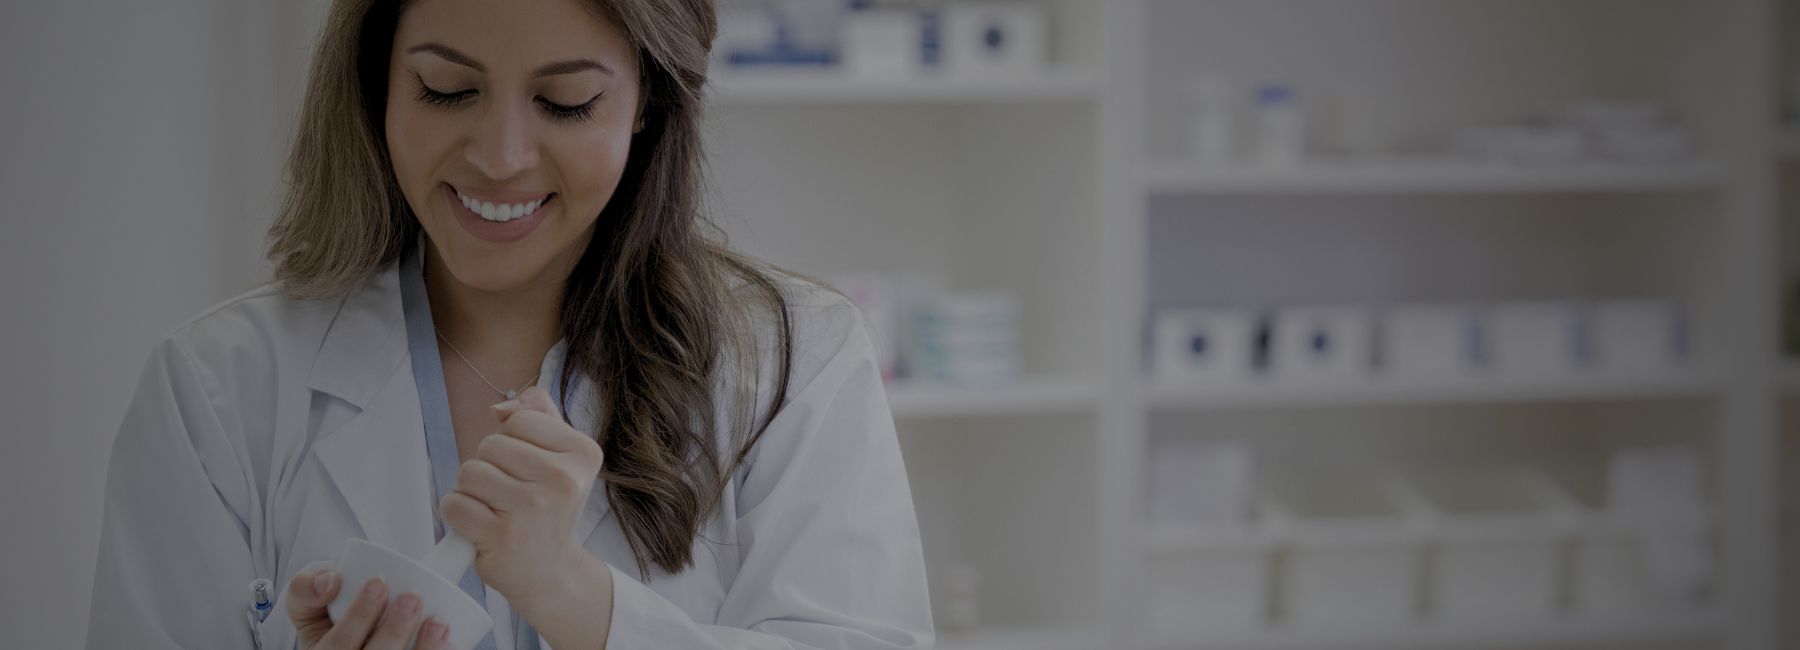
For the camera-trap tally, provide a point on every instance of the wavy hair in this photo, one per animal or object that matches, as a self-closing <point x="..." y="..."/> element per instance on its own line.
<point x="657" y="312"/>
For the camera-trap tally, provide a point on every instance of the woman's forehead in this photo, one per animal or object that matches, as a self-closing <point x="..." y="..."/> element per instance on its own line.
<point x="514" y="36"/>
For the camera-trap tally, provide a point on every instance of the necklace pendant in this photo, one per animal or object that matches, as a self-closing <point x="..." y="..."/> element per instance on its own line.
<point x="511" y="394"/>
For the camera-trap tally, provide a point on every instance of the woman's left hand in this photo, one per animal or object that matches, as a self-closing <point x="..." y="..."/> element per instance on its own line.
<point x="519" y="499"/>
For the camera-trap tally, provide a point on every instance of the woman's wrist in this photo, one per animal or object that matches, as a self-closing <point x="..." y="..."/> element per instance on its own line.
<point x="576" y="611"/>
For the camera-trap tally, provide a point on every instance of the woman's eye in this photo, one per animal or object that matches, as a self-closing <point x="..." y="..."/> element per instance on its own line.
<point x="572" y="113"/>
<point x="429" y="96"/>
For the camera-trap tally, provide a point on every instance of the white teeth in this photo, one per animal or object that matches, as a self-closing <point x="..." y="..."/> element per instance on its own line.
<point x="501" y="212"/>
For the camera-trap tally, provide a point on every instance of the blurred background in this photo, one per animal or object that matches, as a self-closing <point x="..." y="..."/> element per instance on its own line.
<point x="1208" y="323"/>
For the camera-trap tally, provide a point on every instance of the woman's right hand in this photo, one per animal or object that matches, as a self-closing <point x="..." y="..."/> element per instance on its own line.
<point x="370" y="624"/>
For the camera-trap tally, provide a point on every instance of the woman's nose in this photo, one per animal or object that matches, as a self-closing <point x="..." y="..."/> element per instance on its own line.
<point x="504" y="144"/>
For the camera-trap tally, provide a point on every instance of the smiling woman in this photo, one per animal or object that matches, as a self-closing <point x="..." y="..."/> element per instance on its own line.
<point x="704" y="458"/>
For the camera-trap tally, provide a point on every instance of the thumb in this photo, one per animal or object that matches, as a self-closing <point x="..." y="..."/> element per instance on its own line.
<point x="533" y="399"/>
<point x="309" y="596"/>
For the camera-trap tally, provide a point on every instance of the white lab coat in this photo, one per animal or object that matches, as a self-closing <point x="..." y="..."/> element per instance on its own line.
<point x="267" y="431"/>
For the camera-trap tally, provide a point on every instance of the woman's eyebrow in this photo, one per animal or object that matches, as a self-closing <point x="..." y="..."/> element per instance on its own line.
<point x="561" y="67"/>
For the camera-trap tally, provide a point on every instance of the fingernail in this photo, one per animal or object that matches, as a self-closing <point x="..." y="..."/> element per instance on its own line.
<point x="409" y="604"/>
<point x="374" y="588"/>
<point x="439" y="631"/>
<point x="322" y="582"/>
<point x="508" y="405"/>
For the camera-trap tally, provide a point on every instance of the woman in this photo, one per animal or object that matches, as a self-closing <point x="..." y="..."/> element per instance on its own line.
<point x="493" y="199"/>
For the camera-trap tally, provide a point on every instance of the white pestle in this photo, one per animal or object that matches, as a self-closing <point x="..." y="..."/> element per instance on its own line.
<point x="451" y="557"/>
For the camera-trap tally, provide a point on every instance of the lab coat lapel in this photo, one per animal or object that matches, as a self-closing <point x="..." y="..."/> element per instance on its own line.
<point x="377" y="459"/>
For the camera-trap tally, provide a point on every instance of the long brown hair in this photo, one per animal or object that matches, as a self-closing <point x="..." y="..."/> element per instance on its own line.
<point x="657" y="313"/>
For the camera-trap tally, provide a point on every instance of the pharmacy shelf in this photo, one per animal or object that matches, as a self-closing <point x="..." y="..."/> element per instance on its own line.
<point x="1024" y="638"/>
<point x="1672" y="629"/>
<point x="1426" y="176"/>
<point x="1030" y="396"/>
<point x="1379" y="391"/>
<point x="828" y="87"/>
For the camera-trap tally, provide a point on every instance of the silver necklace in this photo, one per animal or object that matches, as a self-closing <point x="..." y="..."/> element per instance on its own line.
<point x="508" y="393"/>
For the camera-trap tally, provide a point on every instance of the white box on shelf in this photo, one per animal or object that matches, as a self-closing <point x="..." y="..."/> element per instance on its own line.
<point x="1353" y="554"/>
<point x="1333" y="344"/>
<point x="1201" y="482"/>
<point x="1638" y="337"/>
<point x="1496" y="536"/>
<point x="1222" y="585"/>
<point x="1202" y="346"/>
<point x="1533" y="340"/>
<point x="1429" y="342"/>
<point x="1612" y="572"/>
<point x="883" y="44"/>
<point x="877" y="296"/>
<point x="995" y="38"/>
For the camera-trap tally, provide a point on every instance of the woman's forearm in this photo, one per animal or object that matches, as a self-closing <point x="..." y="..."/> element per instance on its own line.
<point x="577" y="615"/>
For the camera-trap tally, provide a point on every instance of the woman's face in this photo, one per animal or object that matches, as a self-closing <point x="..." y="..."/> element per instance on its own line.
<point x="525" y="106"/>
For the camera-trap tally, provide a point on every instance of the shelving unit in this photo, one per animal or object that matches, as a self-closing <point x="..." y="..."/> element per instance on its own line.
<point x="1072" y="189"/>
<point x="1388" y="392"/>
<point x="824" y="87"/>
<point x="1428" y="175"/>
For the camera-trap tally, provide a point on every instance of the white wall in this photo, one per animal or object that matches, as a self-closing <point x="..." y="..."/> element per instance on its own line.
<point x="139" y="161"/>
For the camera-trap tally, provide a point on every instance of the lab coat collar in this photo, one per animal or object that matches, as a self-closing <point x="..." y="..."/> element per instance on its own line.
<point x="378" y="459"/>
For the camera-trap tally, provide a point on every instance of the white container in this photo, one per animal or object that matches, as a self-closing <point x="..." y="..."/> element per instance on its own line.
<point x="1496" y="537"/>
<point x="968" y="339"/>
<point x="1323" y="344"/>
<point x="1614" y="561"/>
<point x="1204" y="346"/>
<point x="1636" y="338"/>
<point x="1210" y="121"/>
<point x="883" y="44"/>
<point x="877" y="296"/>
<point x="1429" y="342"/>
<point x="1280" y="127"/>
<point x="1222" y="584"/>
<point x="1533" y="340"/>
<point x="995" y="39"/>
<point x="1201" y="482"/>
<point x="1353" y="556"/>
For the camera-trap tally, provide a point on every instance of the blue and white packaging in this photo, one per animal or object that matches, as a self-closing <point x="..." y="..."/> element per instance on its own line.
<point x="1638" y="337"/>
<point x="1534" y="340"/>
<point x="884" y="44"/>
<point x="1329" y="344"/>
<point x="1430" y="342"/>
<point x="968" y="339"/>
<point x="1205" y="345"/>
<point x="995" y="38"/>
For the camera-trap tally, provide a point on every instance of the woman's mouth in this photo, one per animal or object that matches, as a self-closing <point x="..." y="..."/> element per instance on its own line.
<point x="499" y="217"/>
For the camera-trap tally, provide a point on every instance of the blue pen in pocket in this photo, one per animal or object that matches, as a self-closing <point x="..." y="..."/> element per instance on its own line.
<point x="260" y="603"/>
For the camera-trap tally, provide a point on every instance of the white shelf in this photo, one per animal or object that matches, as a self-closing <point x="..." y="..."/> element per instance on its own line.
<point x="1024" y="638"/>
<point x="1425" y="175"/>
<point x="830" y="86"/>
<point x="1031" y="396"/>
<point x="1675" y="628"/>
<point x="1380" y="391"/>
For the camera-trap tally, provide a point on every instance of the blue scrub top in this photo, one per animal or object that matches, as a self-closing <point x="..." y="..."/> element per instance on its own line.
<point x="440" y="433"/>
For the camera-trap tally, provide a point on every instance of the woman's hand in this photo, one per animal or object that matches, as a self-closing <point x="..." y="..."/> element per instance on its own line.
<point x="371" y="623"/>
<point x="519" y="499"/>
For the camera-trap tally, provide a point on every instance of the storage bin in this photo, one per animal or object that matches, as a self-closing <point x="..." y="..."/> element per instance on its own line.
<point x="1494" y="545"/>
<point x="1611" y="558"/>
<point x="1351" y="557"/>
<point x="1222" y="582"/>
